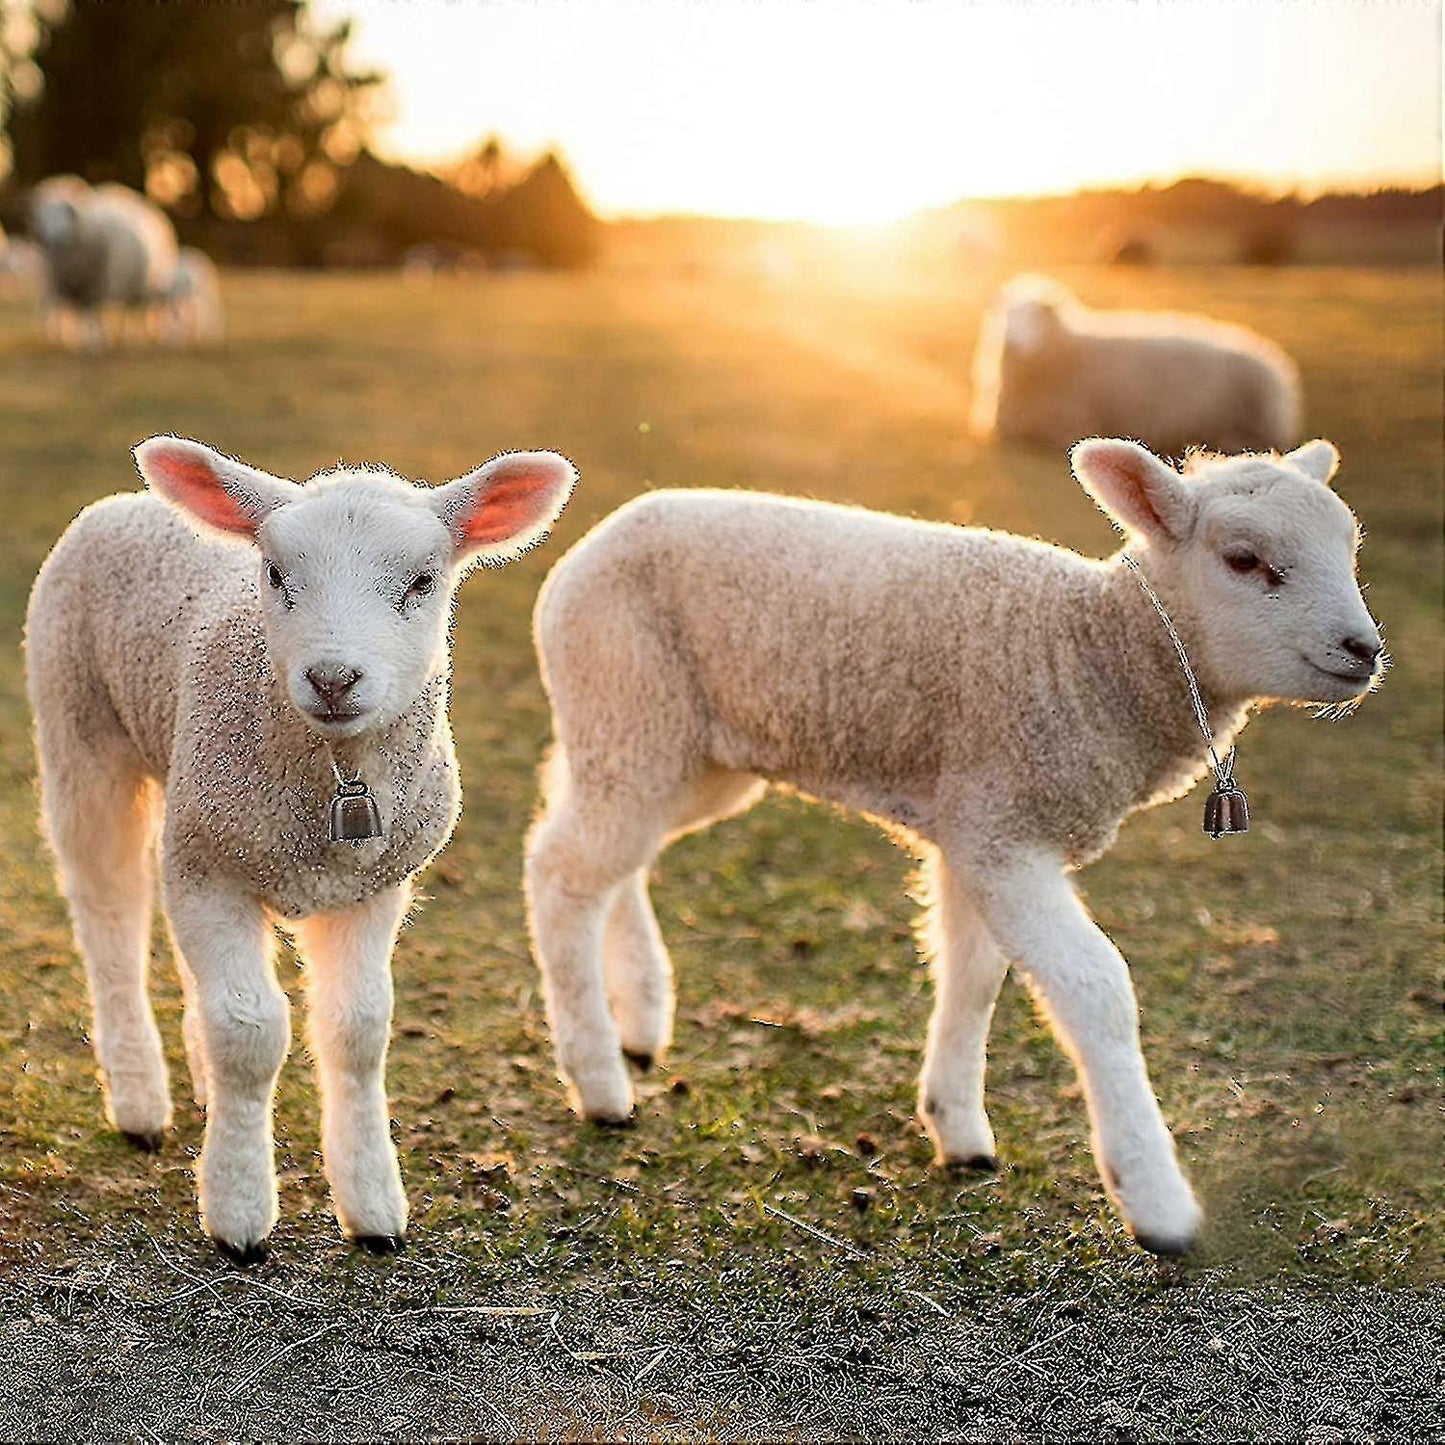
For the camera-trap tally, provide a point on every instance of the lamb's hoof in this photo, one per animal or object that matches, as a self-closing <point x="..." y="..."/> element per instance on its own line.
<point x="972" y="1164"/>
<point x="1164" y="1247"/>
<point x="244" y="1255"/>
<point x="146" y="1143"/>
<point x="379" y="1244"/>
<point x="613" y="1124"/>
<point x="642" y="1060"/>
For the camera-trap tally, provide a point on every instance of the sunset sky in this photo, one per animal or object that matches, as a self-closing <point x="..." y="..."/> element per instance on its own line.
<point x="866" y="110"/>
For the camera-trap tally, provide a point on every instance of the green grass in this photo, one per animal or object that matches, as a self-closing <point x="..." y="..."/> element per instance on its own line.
<point x="1290" y="981"/>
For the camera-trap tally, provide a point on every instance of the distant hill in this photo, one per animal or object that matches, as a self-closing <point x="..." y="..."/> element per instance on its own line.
<point x="1199" y="219"/>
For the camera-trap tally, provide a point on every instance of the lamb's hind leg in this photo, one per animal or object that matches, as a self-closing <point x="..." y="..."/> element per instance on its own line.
<point x="100" y="814"/>
<point x="584" y="847"/>
<point x="968" y="970"/>
<point x="635" y="961"/>
<point x="1082" y="981"/>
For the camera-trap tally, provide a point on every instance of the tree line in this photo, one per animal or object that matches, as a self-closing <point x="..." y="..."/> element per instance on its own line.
<point x="249" y="123"/>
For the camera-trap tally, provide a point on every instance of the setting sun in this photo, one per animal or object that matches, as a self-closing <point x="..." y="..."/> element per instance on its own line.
<point x="847" y="112"/>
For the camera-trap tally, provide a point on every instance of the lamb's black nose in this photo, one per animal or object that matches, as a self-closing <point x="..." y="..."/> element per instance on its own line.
<point x="1362" y="649"/>
<point x="332" y="681"/>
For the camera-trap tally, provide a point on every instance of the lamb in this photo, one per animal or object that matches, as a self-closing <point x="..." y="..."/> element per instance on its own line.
<point x="106" y="246"/>
<point x="191" y="310"/>
<point x="997" y="703"/>
<point x="215" y="662"/>
<point x="1048" y="370"/>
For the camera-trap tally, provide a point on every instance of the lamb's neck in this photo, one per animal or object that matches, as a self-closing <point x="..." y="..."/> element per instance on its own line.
<point x="1122" y="637"/>
<point x="392" y="753"/>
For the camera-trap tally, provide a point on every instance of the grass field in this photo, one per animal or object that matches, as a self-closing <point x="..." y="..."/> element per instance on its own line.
<point x="777" y="1180"/>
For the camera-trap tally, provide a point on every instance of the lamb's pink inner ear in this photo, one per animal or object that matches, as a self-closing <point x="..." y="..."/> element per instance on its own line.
<point x="518" y="496"/>
<point x="192" y="482"/>
<point x="1135" y="488"/>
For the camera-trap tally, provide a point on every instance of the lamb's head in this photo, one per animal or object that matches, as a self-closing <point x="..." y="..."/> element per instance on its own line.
<point x="55" y="212"/>
<point x="356" y="569"/>
<point x="1034" y="314"/>
<point x="1258" y="554"/>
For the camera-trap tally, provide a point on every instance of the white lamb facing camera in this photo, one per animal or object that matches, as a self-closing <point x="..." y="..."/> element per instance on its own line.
<point x="236" y="662"/>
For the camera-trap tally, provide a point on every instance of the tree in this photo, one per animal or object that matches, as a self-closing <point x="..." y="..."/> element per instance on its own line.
<point x="231" y="110"/>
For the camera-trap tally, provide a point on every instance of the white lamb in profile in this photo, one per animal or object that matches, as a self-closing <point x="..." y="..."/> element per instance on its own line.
<point x="105" y="247"/>
<point x="1000" y="702"/>
<point x="210" y="663"/>
<point x="1049" y="370"/>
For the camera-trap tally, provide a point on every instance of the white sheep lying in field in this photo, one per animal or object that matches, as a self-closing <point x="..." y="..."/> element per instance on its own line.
<point x="217" y="652"/>
<point x="105" y="246"/>
<point x="191" y="310"/>
<point x="1001" y="703"/>
<point x="1049" y="370"/>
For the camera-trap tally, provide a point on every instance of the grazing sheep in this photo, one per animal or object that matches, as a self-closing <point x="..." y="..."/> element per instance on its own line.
<point x="1049" y="370"/>
<point x="191" y="311"/>
<point x="106" y="246"/>
<point x="1000" y="703"/>
<point x="224" y="652"/>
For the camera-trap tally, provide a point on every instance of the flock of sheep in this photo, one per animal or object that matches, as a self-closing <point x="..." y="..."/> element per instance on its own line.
<point x="106" y="251"/>
<point x="267" y="698"/>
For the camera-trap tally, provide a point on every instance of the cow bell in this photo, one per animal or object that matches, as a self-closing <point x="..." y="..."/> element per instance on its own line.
<point x="1226" y="810"/>
<point x="354" y="814"/>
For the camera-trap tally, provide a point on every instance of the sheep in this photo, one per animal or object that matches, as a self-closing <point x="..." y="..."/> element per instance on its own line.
<point x="191" y="309"/>
<point x="997" y="703"/>
<point x="104" y="246"/>
<point x="1048" y="370"/>
<point x="211" y="662"/>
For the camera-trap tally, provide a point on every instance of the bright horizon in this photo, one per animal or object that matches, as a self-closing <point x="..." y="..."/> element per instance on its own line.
<point x="858" y="111"/>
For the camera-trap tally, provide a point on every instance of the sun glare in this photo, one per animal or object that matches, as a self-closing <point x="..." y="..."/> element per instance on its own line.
<point x="856" y="113"/>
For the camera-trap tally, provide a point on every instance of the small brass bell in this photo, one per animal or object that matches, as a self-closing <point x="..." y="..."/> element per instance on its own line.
<point x="1226" y="811"/>
<point x="354" y="814"/>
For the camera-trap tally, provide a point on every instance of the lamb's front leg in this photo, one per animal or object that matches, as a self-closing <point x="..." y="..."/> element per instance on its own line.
<point x="348" y="961"/>
<point x="1083" y="982"/>
<point x="245" y="1033"/>
<point x="968" y="970"/>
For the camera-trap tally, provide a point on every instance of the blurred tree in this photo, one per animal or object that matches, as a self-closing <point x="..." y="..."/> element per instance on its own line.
<point x="544" y="216"/>
<point x="483" y="171"/>
<point x="231" y="110"/>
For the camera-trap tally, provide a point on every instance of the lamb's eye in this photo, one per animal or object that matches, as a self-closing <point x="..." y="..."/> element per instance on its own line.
<point x="424" y="584"/>
<point x="1245" y="562"/>
<point x="273" y="575"/>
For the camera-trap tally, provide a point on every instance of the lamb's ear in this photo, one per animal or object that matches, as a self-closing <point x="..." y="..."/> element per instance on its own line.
<point x="505" y="507"/>
<point x="219" y="491"/>
<point x="1135" y="488"/>
<point x="1318" y="459"/>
